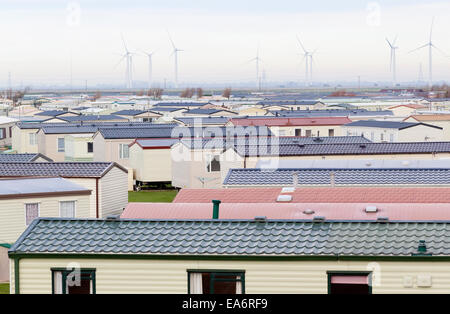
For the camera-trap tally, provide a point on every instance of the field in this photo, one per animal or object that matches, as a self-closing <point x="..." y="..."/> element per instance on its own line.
<point x="4" y="288"/>
<point x="164" y="196"/>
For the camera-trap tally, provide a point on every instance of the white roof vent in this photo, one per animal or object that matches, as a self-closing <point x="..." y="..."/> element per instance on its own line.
<point x="405" y="163"/>
<point x="289" y="189"/>
<point x="284" y="198"/>
<point x="371" y="209"/>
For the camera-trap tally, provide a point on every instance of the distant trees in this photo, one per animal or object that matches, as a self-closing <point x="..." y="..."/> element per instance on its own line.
<point x="188" y="93"/>
<point x="342" y="93"/>
<point x="444" y="90"/>
<point x="156" y="93"/>
<point x="97" y="95"/>
<point x="199" y="92"/>
<point x="227" y="93"/>
<point x="16" y="96"/>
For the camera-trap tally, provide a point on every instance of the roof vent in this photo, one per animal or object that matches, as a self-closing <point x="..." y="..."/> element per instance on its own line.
<point x="368" y="164"/>
<point x="288" y="189"/>
<point x="318" y="139"/>
<point x="382" y="219"/>
<point x="308" y="212"/>
<point x="422" y="248"/>
<point x="405" y="163"/>
<point x="362" y="145"/>
<point x="260" y="218"/>
<point x="371" y="209"/>
<point x="113" y="217"/>
<point x="301" y="145"/>
<point x="284" y="198"/>
<point x="319" y="218"/>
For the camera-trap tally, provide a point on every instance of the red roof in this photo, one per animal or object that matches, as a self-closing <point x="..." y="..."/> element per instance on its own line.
<point x="318" y="195"/>
<point x="341" y="211"/>
<point x="276" y="121"/>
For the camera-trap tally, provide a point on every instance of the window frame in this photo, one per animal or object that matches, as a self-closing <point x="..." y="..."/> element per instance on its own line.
<point x="92" y="145"/>
<point x="57" y="144"/>
<point x="25" y="210"/>
<point x="121" y="151"/>
<point x="331" y="273"/>
<point x="209" y="166"/>
<point x="34" y="137"/>
<point x="228" y="272"/>
<point x="74" y="208"/>
<point x="92" y="277"/>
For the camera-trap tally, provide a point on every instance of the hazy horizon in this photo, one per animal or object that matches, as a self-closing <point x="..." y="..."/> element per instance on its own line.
<point x="218" y="39"/>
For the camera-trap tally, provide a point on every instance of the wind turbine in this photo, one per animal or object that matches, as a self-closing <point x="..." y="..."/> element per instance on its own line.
<point x="393" y="60"/>
<point x="129" y="64"/>
<point x="308" y="57"/>
<point x="257" y="59"/>
<point x="430" y="46"/>
<point x="175" y="54"/>
<point x="150" y="67"/>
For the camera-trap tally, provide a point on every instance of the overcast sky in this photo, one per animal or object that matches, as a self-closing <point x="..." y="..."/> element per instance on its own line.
<point x="218" y="38"/>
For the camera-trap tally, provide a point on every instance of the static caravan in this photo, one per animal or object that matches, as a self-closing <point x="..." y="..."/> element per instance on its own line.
<point x="230" y="256"/>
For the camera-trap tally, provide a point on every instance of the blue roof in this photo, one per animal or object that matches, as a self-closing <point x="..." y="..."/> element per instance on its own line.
<point x="342" y="177"/>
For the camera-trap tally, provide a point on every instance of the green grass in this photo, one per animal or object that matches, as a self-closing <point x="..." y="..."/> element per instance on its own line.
<point x="4" y="288"/>
<point x="165" y="196"/>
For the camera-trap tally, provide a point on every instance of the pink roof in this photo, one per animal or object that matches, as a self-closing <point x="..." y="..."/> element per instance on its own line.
<point x="318" y="195"/>
<point x="291" y="121"/>
<point x="336" y="211"/>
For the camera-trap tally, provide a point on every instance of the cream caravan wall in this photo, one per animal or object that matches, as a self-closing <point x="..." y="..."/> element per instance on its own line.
<point x="114" y="275"/>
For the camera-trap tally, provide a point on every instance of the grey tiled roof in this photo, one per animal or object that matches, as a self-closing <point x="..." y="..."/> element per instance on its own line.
<point x="128" y="112"/>
<point x="205" y="111"/>
<point x="55" y="169"/>
<point x="267" y="141"/>
<point x="233" y="237"/>
<point x="175" y="131"/>
<point x="203" y="120"/>
<point x="387" y="124"/>
<point x="350" y="149"/>
<point x="332" y="113"/>
<point x="21" y="157"/>
<point x="347" y="176"/>
<point x="52" y="113"/>
<point x="167" y="109"/>
<point x="67" y="128"/>
<point x="181" y="104"/>
<point x="92" y="118"/>
<point x="157" y="142"/>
